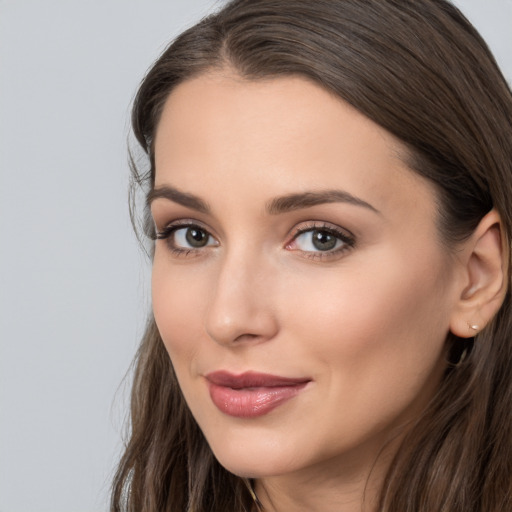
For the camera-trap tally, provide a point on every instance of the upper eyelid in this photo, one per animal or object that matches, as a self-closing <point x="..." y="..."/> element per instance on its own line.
<point x="184" y="223"/>
<point x="344" y="235"/>
<point x="328" y="226"/>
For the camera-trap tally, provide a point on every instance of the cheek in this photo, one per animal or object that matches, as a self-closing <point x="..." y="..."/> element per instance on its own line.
<point x="378" y="332"/>
<point x="383" y="291"/>
<point x="179" y="299"/>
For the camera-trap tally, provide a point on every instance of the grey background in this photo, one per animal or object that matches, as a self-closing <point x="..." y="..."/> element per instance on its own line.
<point x="73" y="282"/>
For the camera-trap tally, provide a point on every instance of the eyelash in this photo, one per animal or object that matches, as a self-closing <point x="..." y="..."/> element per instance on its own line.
<point x="168" y="231"/>
<point x="347" y="239"/>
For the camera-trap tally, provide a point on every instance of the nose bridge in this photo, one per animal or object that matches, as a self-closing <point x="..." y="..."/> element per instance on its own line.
<point x="240" y="304"/>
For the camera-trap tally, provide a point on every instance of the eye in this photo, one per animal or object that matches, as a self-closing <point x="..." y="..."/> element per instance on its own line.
<point x="321" y="239"/>
<point x="183" y="238"/>
<point x="191" y="237"/>
<point x="317" y="240"/>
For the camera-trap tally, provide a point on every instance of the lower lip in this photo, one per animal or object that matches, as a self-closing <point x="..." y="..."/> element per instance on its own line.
<point x="251" y="402"/>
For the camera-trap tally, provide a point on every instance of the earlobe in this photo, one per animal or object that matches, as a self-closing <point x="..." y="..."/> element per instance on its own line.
<point x="485" y="270"/>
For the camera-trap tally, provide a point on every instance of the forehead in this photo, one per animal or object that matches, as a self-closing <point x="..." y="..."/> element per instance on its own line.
<point x="222" y="106"/>
<point x="278" y="136"/>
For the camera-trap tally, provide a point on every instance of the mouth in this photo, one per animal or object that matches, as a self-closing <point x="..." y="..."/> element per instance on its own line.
<point x="251" y="394"/>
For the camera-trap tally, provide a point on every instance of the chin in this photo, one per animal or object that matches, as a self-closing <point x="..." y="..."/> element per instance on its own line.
<point x="252" y="462"/>
<point x="249" y="469"/>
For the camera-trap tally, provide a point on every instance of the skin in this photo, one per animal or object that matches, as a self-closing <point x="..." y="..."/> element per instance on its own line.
<point x="366" y="323"/>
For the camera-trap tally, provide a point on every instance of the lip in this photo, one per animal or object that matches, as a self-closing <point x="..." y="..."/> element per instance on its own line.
<point x="251" y="394"/>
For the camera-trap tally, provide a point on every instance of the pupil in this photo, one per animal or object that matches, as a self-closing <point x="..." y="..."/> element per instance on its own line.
<point x="196" y="237"/>
<point x="323" y="240"/>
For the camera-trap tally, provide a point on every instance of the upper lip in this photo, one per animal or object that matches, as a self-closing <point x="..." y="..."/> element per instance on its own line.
<point x="252" y="380"/>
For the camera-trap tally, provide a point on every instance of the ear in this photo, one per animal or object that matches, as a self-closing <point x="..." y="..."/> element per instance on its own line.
<point x="484" y="260"/>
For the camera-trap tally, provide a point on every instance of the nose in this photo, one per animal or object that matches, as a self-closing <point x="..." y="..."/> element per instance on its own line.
<point x="240" y="309"/>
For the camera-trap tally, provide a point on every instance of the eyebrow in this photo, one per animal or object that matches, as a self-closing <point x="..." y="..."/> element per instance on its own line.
<point x="175" y="195"/>
<point x="307" y="199"/>
<point x="276" y="206"/>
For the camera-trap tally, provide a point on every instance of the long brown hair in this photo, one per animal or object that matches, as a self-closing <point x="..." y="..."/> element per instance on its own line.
<point x="420" y="70"/>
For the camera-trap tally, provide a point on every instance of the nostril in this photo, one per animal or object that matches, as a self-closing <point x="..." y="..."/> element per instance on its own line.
<point x="246" y="337"/>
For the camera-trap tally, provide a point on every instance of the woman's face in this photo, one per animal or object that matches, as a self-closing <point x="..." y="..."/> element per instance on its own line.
<point x="299" y="283"/>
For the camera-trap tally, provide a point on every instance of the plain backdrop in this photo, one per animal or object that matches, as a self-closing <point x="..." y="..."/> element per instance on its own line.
<point x="73" y="282"/>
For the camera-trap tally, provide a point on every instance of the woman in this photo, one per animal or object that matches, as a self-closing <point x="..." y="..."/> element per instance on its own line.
<point x="329" y="195"/>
